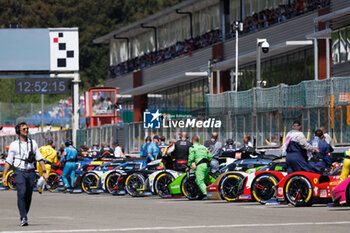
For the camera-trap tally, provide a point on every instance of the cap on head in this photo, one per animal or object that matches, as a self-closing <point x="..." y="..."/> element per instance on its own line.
<point x="229" y="141"/>
<point x="68" y="143"/>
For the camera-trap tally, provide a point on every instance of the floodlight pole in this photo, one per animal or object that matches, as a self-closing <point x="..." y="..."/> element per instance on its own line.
<point x="42" y="112"/>
<point x="238" y="26"/>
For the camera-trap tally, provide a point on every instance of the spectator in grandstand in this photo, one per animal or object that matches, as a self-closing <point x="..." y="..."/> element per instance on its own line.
<point x="295" y="149"/>
<point x="252" y="23"/>
<point x="144" y="147"/>
<point x="181" y="152"/>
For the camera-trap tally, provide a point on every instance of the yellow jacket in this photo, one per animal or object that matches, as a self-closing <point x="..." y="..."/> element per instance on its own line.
<point x="49" y="154"/>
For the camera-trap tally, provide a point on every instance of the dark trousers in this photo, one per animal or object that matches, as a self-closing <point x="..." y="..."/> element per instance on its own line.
<point x="24" y="185"/>
<point x="296" y="162"/>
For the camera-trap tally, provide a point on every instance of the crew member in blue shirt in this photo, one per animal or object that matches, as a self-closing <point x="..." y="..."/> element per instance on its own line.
<point x="70" y="155"/>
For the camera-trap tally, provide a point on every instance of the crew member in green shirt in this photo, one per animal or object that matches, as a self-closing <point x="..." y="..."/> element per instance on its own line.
<point x="200" y="155"/>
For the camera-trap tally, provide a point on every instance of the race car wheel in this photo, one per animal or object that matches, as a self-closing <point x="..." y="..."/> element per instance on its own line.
<point x="11" y="183"/>
<point x="162" y="182"/>
<point x="263" y="187"/>
<point x="228" y="187"/>
<point x="112" y="182"/>
<point x="190" y="188"/>
<point x="52" y="182"/>
<point x="135" y="184"/>
<point x="298" y="191"/>
<point x="89" y="182"/>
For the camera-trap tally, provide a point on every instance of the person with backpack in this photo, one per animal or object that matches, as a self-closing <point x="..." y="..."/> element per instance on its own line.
<point x="144" y="147"/>
<point x="181" y="152"/>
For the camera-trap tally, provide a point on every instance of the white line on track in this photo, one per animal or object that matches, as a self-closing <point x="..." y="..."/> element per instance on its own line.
<point x="186" y="227"/>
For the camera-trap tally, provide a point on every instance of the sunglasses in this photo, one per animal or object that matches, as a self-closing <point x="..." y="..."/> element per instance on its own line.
<point x="25" y="129"/>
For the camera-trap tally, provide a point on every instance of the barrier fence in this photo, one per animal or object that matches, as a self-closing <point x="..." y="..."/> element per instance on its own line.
<point x="264" y="113"/>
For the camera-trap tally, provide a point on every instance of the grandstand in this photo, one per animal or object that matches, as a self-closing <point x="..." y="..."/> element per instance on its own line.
<point x="143" y="69"/>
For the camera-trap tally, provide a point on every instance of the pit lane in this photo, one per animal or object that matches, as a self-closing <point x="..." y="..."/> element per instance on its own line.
<point x="60" y="212"/>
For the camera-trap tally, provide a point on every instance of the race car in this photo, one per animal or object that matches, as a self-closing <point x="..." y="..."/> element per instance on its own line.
<point x="91" y="180"/>
<point x="249" y="185"/>
<point x="158" y="182"/>
<point x="341" y="193"/>
<point x="55" y="182"/>
<point x="109" y="177"/>
<point x="136" y="184"/>
<point x="240" y="166"/>
<point x="306" y="188"/>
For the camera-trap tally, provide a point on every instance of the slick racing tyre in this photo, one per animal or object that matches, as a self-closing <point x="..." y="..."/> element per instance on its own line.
<point x="52" y="182"/>
<point x="228" y="186"/>
<point x="89" y="182"/>
<point x="190" y="188"/>
<point x="162" y="182"/>
<point x="112" y="182"/>
<point x="135" y="184"/>
<point x="298" y="191"/>
<point x="263" y="187"/>
<point x="11" y="183"/>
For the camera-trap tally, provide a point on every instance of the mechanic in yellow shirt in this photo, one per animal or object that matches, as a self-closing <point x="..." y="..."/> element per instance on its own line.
<point x="346" y="166"/>
<point x="49" y="156"/>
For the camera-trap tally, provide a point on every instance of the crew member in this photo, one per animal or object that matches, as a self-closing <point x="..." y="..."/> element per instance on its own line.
<point x="49" y="156"/>
<point x="161" y="146"/>
<point x="295" y="148"/>
<point x="181" y="152"/>
<point x="106" y="151"/>
<point x="118" y="152"/>
<point x="200" y="155"/>
<point x="229" y="146"/>
<point x="346" y="166"/>
<point x="70" y="156"/>
<point x="215" y="149"/>
<point x="320" y="161"/>
<point x="22" y="155"/>
<point x="144" y="147"/>
<point x="153" y="150"/>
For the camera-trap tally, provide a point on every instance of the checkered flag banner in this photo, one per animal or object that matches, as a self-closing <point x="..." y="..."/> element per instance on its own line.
<point x="64" y="50"/>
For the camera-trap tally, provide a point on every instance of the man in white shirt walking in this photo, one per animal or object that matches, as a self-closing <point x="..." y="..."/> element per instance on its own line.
<point x="23" y="154"/>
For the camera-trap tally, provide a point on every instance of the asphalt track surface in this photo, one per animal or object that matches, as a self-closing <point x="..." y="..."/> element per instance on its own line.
<point x="60" y="212"/>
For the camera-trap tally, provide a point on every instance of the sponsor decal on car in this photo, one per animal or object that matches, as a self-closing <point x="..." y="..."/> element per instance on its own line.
<point x="323" y="193"/>
<point x="280" y="191"/>
<point x="245" y="197"/>
<point x="175" y="186"/>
